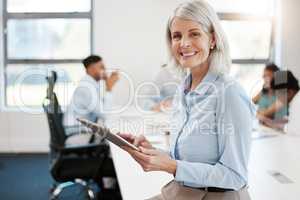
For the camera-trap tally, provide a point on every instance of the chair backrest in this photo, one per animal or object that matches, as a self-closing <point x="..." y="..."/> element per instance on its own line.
<point x="54" y="115"/>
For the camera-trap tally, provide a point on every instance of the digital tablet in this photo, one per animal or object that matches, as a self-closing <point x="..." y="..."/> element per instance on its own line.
<point x="107" y="134"/>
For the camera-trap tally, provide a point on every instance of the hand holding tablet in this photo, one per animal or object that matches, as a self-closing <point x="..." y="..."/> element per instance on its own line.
<point x="107" y="134"/>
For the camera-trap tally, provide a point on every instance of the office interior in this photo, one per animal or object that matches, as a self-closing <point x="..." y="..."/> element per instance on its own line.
<point x="37" y="37"/>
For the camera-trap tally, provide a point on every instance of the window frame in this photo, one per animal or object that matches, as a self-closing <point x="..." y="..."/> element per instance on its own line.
<point x="238" y="16"/>
<point x="37" y="15"/>
<point x="230" y="16"/>
<point x="226" y="16"/>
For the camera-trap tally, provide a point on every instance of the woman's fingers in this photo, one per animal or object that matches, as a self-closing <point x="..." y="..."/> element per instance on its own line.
<point x="135" y="140"/>
<point x="138" y="140"/>
<point x="148" y="151"/>
<point x="146" y="144"/>
<point x="141" y="156"/>
<point x="144" y="161"/>
<point x="132" y="152"/>
<point x="127" y="136"/>
<point x="140" y="161"/>
<point x="126" y="149"/>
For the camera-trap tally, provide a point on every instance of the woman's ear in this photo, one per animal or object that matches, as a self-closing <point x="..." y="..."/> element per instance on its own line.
<point x="212" y="41"/>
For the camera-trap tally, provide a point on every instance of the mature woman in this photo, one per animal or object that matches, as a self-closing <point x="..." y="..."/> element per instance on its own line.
<point x="210" y="139"/>
<point x="269" y="105"/>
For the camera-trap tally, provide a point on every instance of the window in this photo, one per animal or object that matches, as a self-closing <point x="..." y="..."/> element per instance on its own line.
<point x="248" y="25"/>
<point x="40" y="36"/>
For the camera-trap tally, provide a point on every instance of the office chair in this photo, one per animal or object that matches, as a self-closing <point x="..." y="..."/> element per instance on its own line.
<point x="70" y="163"/>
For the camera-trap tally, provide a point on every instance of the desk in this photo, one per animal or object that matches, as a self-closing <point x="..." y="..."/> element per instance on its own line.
<point x="135" y="184"/>
<point x="281" y="154"/>
<point x="278" y="152"/>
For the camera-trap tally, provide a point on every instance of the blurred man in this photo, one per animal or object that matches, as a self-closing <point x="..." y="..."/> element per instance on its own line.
<point x="88" y="101"/>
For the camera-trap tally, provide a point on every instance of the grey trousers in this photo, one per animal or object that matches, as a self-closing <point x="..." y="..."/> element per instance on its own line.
<point x="174" y="191"/>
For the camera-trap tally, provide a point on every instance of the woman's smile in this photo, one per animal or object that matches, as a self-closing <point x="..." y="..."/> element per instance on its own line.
<point x="186" y="55"/>
<point x="190" y="43"/>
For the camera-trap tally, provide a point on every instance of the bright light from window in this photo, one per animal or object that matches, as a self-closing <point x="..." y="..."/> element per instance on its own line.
<point x="48" y="5"/>
<point x="256" y="7"/>
<point x="26" y="83"/>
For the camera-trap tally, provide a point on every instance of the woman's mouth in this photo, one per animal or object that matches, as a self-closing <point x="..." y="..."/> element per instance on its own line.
<point x="186" y="55"/>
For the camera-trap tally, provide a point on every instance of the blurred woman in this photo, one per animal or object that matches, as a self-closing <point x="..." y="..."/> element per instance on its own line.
<point x="285" y="86"/>
<point x="266" y="97"/>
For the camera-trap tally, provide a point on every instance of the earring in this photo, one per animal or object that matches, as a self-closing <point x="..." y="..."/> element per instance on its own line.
<point x="212" y="47"/>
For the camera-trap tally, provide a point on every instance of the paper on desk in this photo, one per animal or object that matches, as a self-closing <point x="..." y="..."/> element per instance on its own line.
<point x="260" y="135"/>
<point x="260" y="132"/>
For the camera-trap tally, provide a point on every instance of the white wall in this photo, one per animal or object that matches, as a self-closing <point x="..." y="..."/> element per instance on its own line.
<point x="130" y="36"/>
<point x="290" y="54"/>
<point x="290" y="32"/>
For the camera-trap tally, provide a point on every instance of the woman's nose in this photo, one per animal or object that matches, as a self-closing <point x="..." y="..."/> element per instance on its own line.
<point x="185" y="42"/>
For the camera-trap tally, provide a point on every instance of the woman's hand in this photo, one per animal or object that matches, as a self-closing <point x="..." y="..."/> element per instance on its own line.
<point x="149" y="158"/>
<point x="275" y="124"/>
<point x="137" y="141"/>
<point x="263" y="119"/>
<point x="153" y="160"/>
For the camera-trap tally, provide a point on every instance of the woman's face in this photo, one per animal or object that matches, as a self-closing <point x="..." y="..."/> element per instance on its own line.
<point x="190" y="44"/>
<point x="267" y="76"/>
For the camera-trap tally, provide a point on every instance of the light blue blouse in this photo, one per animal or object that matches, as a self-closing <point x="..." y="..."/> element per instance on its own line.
<point x="211" y="133"/>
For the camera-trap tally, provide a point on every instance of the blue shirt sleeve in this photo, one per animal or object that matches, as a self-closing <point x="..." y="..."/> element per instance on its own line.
<point x="234" y="114"/>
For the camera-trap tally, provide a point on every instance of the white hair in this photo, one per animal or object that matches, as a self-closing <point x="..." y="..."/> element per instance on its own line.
<point x="200" y="11"/>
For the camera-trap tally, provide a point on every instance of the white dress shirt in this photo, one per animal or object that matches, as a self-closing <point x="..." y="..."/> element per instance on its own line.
<point x="89" y="101"/>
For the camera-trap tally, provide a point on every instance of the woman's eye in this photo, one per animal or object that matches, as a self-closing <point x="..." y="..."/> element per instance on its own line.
<point x="195" y="34"/>
<point x="176" y="37"/>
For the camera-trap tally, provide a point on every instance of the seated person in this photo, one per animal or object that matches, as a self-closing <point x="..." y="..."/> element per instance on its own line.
<point x="160" y="95"/>
<point x="88" y="101"/>
<point x="266" y="97"/>
<point x="286" y="87"/>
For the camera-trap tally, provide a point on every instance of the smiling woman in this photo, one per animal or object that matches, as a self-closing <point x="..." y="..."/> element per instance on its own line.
<point x="212" y="120"/>
<point x="204" y="33"/>
<point x="190" y="44"/>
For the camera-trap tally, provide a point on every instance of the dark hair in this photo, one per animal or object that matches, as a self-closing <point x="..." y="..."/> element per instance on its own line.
<point x="271" y="67"/>
<point x="284" y="80"/>
<point x="91" y="60"/>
